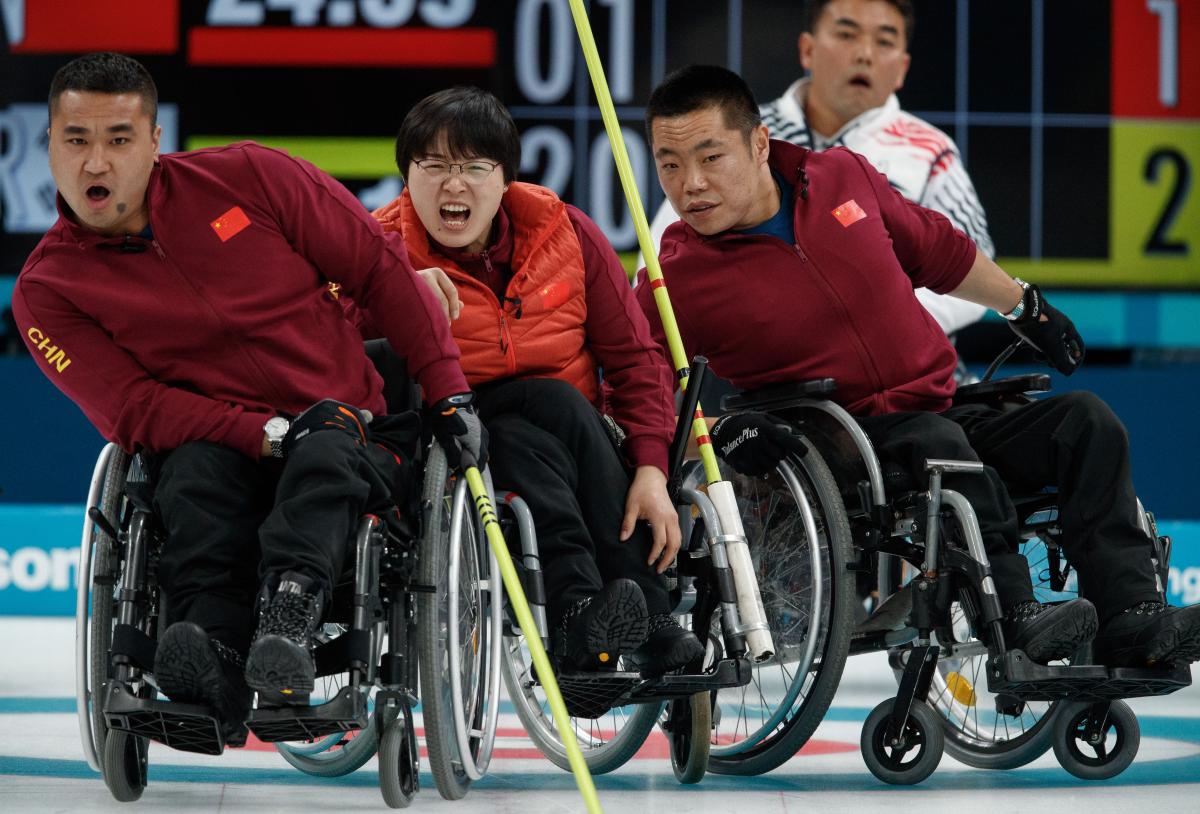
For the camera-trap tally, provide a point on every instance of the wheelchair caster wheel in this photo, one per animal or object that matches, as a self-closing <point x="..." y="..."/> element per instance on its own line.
<point x="398" y="758"/>
<point x="1093" y="744"/>
<point x="909" y="757"/>
<point x="124" y="765"/>
<point x="689" y="725"/>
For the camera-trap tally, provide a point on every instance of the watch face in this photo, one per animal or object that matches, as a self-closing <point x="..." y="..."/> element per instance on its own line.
<point x="276" y="427"/>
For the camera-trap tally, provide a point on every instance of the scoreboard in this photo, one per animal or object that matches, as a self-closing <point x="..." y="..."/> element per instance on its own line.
<point x="1079" y="120"/>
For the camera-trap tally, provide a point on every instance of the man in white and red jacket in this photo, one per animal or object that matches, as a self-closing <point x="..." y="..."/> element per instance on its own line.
<point x="182" y="302"/>
<point x="791" y="265"/>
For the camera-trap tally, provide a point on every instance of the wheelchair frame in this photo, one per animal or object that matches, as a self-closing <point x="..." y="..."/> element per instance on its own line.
<point x="897" y="727"/>
<point x="116" y="702"/>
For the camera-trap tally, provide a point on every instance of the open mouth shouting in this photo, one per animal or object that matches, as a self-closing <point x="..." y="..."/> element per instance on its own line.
<point x="98" y="196"/>
<point x="860" y="80"/>
<point x="454" y="216"/>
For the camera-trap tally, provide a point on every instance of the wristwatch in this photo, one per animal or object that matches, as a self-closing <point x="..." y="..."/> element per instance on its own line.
<point x="276" y="428"/>
<point x="1016" y="312"/>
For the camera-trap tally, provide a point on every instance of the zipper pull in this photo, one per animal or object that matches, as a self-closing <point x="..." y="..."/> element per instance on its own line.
<point x="800" y="251"/>
<point x="161" y="255"/>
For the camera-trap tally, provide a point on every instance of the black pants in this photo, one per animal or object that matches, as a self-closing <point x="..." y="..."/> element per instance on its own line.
<point x="1074" y="442"/>
<point x="550" y="446"/>
<point x="233" y="523"/>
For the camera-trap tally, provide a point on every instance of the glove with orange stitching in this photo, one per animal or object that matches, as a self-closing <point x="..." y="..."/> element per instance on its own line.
<point x="326" y="415"/>
<point x="458" y="429"/>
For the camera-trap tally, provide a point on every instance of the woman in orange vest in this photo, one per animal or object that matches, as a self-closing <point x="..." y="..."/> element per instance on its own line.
<point x="539" y="305"/>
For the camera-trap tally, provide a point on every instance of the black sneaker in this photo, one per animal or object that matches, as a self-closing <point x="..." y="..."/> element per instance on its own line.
<point x="1148" y="634"/>
<point x="596" y="631"/>
<point x="1050" y="632"/>
<point x="280" y="666"/>
<point x="191" y="668"/>
<point x="668" y="647"/>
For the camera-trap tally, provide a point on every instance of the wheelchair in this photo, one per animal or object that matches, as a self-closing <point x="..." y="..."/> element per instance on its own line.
<point x="614" y="712"/>
<point x="935" y="611"/>
<point x="420" y="601"/>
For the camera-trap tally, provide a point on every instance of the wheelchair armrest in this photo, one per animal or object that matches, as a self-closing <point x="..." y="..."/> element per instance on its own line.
<point x="998" y="389"/>
<point x="778" y="396"/>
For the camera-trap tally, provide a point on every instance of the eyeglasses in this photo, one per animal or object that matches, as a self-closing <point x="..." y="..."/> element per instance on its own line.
<point x="473" y="172"/>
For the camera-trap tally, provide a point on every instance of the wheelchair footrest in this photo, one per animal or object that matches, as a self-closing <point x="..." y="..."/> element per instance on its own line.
<point x="1022" y="678"/>
<point x="590" y="695"/>
<point x="186" y="727"/>
<point x="344" y="712"/>
<point x="727" y="673"/>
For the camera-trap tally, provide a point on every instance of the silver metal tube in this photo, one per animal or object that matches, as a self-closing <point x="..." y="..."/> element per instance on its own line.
<point x="529" y="551"/>
<point x="814" y="556"/>
<point x="932" y="517"/>
<point x="865" y="450"/>
<point x="731" y="620"/>
<point x="362" y="568"/>
<point x="970" y="526"/>
<point x="494" y="585"/>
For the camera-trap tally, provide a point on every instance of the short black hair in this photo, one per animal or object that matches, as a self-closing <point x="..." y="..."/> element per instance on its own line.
<point x="475" y="122"/>
<point x="813" y="9"/>
<point x="697" y="87"/>
<point x="106" y="72"/>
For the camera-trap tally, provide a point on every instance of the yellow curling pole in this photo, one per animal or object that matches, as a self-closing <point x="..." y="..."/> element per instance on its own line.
<point x="512" y="584"/>
<point x="750" y="607"/>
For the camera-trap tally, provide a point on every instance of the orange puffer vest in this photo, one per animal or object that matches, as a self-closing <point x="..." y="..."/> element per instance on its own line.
<point x="538" y="331"/>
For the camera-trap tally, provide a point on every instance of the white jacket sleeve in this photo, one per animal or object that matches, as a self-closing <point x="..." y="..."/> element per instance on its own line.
<point x="951" y="192"/>
<point x="951" y="313"/>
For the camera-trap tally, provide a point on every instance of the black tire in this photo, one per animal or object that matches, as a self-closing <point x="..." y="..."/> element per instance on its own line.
<point x="689" y="736"/>
<point x="105" y="571"/>
<point x="1111" y="755"/>
<point x="445" y="759"/>
<point x="902" y="766"/>
<point x="772" y="519"/>
<point x="124" y="765"/>
<point x="398" y="763"/>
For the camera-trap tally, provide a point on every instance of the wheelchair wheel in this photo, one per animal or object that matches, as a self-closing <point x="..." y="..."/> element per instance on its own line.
<point x="689" y="728"/>
<point x="800" y="542"/>
<point x="398" y="779"/>
<point x="980" y="729"/>
<point x="607" y="743"/>
<point x="99" y="568"/>
<point x="457" y="633"/>
<point x="1096" y="752"/>
<point x="913" y="755"/>
<point x="124" y="765"/>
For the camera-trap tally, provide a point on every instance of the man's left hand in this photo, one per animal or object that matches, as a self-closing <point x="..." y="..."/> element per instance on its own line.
<point x="327" y="415"/>
<point x="1050" y="331"/>
<point x="648" y="500"/>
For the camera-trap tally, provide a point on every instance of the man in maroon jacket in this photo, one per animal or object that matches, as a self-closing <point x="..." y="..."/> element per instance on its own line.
<point x="791" y="265"/>
<point x="181" y="301"/>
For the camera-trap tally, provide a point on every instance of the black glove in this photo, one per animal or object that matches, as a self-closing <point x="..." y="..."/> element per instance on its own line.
<point x="1056" y="338"/>
<point x="754" y="443"/>
<point x="458" y="429"/>
<point x="326" y="415"/>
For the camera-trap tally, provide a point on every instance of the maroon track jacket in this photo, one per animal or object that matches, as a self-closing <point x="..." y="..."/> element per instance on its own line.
<point x="839" y="303"/>
<point x="224" y="317"/>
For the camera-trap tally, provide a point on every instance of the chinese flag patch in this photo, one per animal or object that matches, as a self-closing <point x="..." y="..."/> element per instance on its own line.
<point x="849" y="212"/>
<point x="230" y="223"/>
